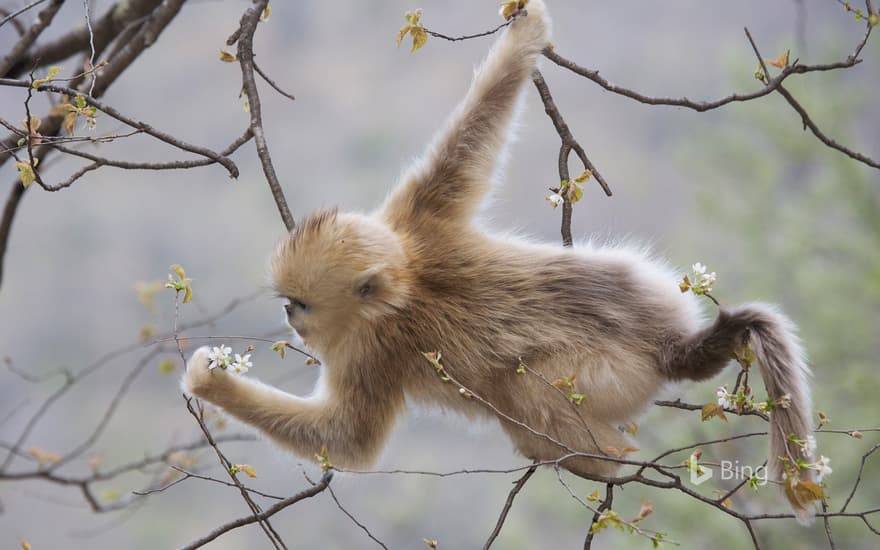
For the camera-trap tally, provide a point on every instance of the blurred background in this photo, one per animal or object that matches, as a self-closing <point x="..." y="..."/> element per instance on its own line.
<point x="779" y="216"/>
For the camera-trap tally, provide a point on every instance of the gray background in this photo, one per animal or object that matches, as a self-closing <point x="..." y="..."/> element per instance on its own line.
<point x="729" y="188"/>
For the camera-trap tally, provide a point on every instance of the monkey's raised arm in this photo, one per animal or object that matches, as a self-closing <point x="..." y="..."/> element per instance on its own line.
<point x="455" y="171"/>
<point x="346" y="419"/>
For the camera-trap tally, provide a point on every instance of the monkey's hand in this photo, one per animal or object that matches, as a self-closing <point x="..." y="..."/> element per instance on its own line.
<point x="203" y="382"/>
<point x="532" y="26"/>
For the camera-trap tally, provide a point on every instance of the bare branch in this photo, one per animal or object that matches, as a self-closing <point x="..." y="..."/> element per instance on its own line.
<point x="858" y="481"/>
<point x="16" y="192"/>
<point x="245" y="37"/>
<point x="192" y="475"/>
<point x="469" y="36"/>
<point x="142" y="126"/>
<point x="115" y="19"/>
<point x="272" y="83"/>
<point x="98" y="162"/>
<point x="808" y="123"/>
<point x="10" y="16"/>
<point x="30" y="36"/>
<point x="262" y="516"/>
<point x="772" y="84"/>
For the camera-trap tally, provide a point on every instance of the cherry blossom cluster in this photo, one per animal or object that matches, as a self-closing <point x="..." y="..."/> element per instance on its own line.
<point x="221" y="356"/>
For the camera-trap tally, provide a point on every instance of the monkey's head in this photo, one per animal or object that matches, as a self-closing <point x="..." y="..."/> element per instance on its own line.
<point x="339" y="272"/>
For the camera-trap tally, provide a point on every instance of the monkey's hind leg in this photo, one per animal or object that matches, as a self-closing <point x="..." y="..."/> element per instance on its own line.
<point x="705" y="354"/>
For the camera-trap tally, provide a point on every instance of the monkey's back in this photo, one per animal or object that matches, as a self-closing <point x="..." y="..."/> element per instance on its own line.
<point x="604" y="314"/>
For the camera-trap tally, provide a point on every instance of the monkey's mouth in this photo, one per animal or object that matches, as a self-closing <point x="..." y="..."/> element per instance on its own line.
<point x="301" y="332"/>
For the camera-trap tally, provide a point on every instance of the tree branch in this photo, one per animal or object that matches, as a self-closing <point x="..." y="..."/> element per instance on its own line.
<point x="44" y="19"/>
<point x="517" y="487"/>
<point x="262" y="516"/>
<point x="568" y="144"/>
<point x="245" y="38"/>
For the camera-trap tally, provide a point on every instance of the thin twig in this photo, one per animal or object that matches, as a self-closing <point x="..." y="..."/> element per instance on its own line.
<point x="192" y="475"/>
<point x="354" y="519"/>
<point x="469" y="36"/>
<point x="143" y="126"/>
<point x="91" y="65"/>
<point x="517" y="487"/>
<point x="98" y="162"/>
<point x="805" y="116"/>
<point x="858" y="481"/>
<point x="262" y="516"/>
<point x="20" y="11"/>
<point x="272" y="83"/>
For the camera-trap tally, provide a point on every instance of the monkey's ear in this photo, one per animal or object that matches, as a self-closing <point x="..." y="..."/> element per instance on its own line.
<point x="369" y="283"/>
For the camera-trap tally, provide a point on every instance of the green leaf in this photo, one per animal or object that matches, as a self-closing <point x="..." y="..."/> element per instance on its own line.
<point x="576" y="398"/>
<point x="246" y="468"/>
<point x="433" y="357"/>
<point x="53" y="70"/>
<point x="181" y="284"/>
<point x="26" y="172"/>
<point x="324" y="460"/>
<point x="280" y="347"/>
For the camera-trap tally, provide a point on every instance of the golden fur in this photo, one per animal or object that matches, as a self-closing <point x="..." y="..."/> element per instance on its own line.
<point x="371" y="293"/>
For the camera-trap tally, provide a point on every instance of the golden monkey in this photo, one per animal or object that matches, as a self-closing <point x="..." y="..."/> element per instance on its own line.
<point x="371" y="293"/>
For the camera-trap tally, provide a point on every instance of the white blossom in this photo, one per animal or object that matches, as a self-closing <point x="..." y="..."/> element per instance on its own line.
<point x="219" y="357"/>
<point x="723" y="397"/>
<point x="555" y="199"/>
<point x="810" y="445"/>
<point x="702" y="280"/>
<point x="822" y="467"/>
<point x="241" y="364"/>
<point x="707" y="280"/>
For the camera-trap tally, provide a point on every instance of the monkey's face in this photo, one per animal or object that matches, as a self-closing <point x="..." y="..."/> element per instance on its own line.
<point x="337" y="274"/>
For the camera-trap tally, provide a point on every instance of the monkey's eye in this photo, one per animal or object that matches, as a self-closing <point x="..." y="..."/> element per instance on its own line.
<point x="295" y="304"/>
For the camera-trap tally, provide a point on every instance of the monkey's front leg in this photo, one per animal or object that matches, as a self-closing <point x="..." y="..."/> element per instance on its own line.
<point x="304" y="425"/>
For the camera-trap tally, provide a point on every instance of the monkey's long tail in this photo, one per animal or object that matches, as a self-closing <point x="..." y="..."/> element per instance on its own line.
<point x="777" y="349"/>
